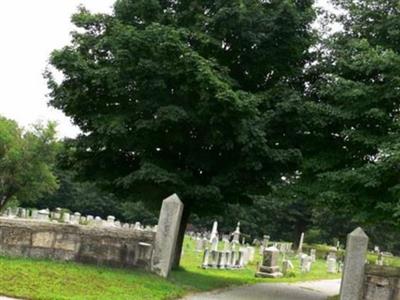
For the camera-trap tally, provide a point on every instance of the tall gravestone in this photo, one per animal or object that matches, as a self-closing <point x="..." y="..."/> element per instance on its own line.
<point x="167" y="235"/>
<point x="300" y="249"/>
<point x="354" y="264"/>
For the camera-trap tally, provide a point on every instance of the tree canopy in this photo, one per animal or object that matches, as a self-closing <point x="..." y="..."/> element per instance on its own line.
<point x="186" y="96"/>
<point x="26" y="161"/>
<point x="354" y="145"/>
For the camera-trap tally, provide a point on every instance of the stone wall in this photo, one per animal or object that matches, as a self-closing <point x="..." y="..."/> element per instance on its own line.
<point x="381" y="283"/>
<point x="73" y="242"/>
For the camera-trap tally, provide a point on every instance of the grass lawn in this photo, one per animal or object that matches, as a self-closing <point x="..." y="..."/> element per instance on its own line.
<point x="32" y="279"/>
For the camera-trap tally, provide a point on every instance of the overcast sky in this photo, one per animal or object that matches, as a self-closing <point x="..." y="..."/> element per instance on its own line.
<point x="29" y="31"/>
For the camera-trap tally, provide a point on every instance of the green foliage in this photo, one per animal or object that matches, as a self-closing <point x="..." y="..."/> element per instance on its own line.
<point x="357" y="95"/>
<point x="26" y="161"/>
<point x="192" y="98"/>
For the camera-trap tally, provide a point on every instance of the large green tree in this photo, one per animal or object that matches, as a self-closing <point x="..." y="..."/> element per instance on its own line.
<point x="352" y="144"/>
<point x="195" y="97"/>
<point x="26" y="161"/>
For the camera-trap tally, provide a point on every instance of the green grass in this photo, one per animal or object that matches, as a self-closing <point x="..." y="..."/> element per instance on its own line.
<point x="32" y="279"/>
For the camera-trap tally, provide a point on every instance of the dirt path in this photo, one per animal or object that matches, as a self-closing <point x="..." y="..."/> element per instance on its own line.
<point x="315" y="290"/>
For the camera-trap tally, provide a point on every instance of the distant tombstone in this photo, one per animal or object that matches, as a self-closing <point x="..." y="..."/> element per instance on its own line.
<point x="380" y="259"/>
<point x="228" y="260"/>
<point x="226" y="244"/>
<point x="256" y="243"/>
<point x="66" y="217"/>
<point x="23" y="213"/>
<point x="43" y="215"/>
<point x="266" y="239"/>
<point x="269" y="267"/>
<point x="252" y="253"/>
<point x="241" y="262"/>
<point x="75" y="218"/>
<point x="214" y="231"/>
<point x="236" y="234"/>
<point x="199" y="244"/>
<point x="222" y="260"/>
<point x="214" y="259"/>
<point x="313" y="255"/>
<point x="206" y="257"/>
<point x="287" y="266"/>
<point x="98" y="221"/>
<point x="110" y="221"/>
<point x="34" y="214"/>
<point x="204" y="242"/>
<point x="57" y="214"/>
<point x="90" y="219"/>
<point x="214" y="243"/>
<point x="306" y="263"/>
<point x="137" y="226"/>
<point x="300" y="249"/>
<point x="332" y="253"/>
<point x="332" y="265"/>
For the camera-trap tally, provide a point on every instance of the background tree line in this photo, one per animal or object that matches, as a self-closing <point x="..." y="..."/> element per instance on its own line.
<point x="240" y="107"/>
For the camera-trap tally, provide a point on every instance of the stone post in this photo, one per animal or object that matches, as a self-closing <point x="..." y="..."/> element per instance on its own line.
<point x="300" y="250"/>
<point x="353" y="273"/>
<point x="167" y="235"/>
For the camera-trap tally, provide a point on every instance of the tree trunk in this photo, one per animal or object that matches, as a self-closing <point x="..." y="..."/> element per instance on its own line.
<point x="181" y="236"/>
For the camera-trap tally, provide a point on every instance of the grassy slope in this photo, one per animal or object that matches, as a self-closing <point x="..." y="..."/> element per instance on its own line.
<point x="32" y="279"/>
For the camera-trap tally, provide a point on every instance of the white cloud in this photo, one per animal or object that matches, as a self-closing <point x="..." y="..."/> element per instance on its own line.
<point x="29" y="31"/>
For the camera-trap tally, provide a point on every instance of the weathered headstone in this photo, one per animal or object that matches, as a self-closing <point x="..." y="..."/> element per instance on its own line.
<point x="287" y="266"/>
<point x="300" y="249"/>
<point x="354" y="265"/>
<point x="269" y="267"/>
<point x="332" y="265"/>
<point x="206" y="257"/>
<point x="110" y="221"/>
<point x="305" y="264"/>
<point x="313" y="254"/>
<point x="66" y="217"/>
<point x="214" y="243"/>
<point x="236" y="235"/>
<point x="199" y="244"/>
<point x="214" y="231"/>
<point x="227" y="245"/>
<point x="43" y="215"/>
<point x="167" y="235"/>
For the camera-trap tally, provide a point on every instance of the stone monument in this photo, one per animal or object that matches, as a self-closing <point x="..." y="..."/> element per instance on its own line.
<point x="269" y="267"/>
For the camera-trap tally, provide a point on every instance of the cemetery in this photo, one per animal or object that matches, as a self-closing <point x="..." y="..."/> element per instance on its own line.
<point x="200" y="150"/>
<point x="209" y="261"/>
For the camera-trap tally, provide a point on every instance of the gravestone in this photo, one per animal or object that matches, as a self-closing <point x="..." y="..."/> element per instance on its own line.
<point x="305" y="263"/>
<point x="300" y="249"/>
<point x="287" y="266"/>
<point x="313" y="254"/>
<point x="332" y="265"/>
<point x="199" y="244"/>
<point x="206" y="258"/>
<point x="236" y="235"/>
<point x="43" y="215"/>
<point x="269" y="267"/>
<point x="354" y="265"/>
<point x="167" y="235"/>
